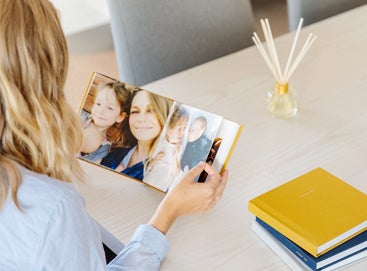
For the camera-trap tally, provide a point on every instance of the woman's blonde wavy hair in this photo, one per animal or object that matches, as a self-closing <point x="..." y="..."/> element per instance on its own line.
<point x="38" y="129"/>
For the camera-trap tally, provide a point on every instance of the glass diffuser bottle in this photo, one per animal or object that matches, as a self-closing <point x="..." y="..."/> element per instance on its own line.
<point x="282" y="101"/>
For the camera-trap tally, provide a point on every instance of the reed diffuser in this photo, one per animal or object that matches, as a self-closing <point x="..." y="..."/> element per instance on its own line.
<point x="282" y="100"/>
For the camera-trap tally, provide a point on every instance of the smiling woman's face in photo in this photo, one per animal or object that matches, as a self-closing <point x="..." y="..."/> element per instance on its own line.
<point x="143" y="121"/>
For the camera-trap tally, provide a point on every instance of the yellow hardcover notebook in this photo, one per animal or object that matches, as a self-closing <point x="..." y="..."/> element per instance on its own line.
<point x="317" y="210"/>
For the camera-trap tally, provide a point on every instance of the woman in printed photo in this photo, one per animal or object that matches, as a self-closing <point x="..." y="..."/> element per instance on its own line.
<point x="147" y="115"/>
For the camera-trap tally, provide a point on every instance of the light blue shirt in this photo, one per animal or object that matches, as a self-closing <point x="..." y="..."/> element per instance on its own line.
<point x="55" y="232"/>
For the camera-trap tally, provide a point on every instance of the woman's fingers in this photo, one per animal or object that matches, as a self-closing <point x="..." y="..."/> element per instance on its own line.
<point x="196" y="171"/>
<point x="222" y="185"/>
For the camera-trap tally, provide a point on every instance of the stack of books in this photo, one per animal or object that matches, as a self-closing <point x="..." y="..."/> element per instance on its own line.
<point x="314" y="222"/>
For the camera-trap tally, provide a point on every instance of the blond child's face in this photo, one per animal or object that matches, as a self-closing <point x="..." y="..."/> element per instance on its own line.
<point x="175" y="134"/>
<point x="106" y="110"/>
<point x="196" y="130"/>
<point x="143" y="121"/>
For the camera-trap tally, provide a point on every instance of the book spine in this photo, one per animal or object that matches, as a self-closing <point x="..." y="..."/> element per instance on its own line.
<point x="305" y="257"/>
<point x="90" y="82"/>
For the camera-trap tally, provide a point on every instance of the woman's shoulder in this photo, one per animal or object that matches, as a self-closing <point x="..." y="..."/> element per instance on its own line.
<point x="40" y="195"/>
<point x="36" y="187"/>
<point x="44" y="202"/>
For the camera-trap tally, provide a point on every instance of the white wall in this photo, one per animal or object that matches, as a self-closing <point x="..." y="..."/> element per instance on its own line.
<point x="81" y="15"/>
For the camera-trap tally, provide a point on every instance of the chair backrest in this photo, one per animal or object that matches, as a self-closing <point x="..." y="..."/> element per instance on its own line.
<point x="315" y="10"/>
<point x="157" y="38"/>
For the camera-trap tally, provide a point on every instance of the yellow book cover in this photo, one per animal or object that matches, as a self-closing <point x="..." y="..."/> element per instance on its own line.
<point x="317" y="210"/>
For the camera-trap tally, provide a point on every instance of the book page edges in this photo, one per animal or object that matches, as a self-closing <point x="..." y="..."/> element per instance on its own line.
<point x="230" y="133"/>
<point x="295" y="263"/>
<point x="342" y="238"/>
<point x="279" y="249"/>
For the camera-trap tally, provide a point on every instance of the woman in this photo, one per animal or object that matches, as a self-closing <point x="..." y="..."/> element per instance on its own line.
<point x="148" y="114"/>
<point x="43" y="221"/>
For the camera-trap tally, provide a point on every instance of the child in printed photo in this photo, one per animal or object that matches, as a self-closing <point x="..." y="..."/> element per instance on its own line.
<point x="198" y="144"/>
<point x="105" y="124"/>
<point x="164" y="165"/>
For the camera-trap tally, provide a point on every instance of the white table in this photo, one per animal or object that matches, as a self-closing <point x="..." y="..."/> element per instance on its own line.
<point x="330" y="131"/>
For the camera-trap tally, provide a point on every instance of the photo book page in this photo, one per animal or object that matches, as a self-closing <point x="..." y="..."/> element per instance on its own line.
<point x="148" y="137"/>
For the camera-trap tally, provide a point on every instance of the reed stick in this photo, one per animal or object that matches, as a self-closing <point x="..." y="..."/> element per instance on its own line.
<point x="259" y="45"/>
<point x="311" y="38"/>
<point x="270" y="55"/>
<point x="273" y="48"/>
<point x="292" y="49"/>
<point x="270" y="47"/>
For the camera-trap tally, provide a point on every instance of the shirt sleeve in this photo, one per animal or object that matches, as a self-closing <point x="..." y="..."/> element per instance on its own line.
<point x="72" y="241"/>
<point x="144" y="252"/>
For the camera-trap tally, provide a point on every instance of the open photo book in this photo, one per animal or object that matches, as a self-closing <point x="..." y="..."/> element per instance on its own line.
<point x="148" y="137"/>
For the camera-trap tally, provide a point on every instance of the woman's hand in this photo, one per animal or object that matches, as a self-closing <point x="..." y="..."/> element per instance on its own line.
<point x="190" y="197"/>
